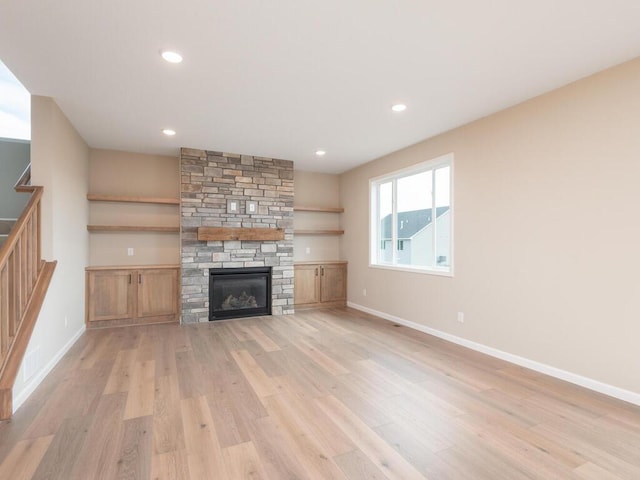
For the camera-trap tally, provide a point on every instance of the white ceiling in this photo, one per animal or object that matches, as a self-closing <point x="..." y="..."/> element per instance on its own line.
<point x="283" y="78"/>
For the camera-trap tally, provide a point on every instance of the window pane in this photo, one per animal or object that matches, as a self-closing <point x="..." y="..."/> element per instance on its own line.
<point x="411" y="223"/>
<point x="443" y="217"/>
<point x="443" y="187"/>
<point x="385" y="208"/>
<point x="414" y="219"/>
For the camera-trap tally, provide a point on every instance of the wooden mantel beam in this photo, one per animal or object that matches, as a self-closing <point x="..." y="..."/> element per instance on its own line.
<point x="225" y="233"/>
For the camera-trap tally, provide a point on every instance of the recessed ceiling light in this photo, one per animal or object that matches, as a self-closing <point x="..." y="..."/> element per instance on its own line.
<point x="169" y="132"/>
<point x="320" y="153"/>
<point x="399" y="107"/>
<point x="171" y="56"/>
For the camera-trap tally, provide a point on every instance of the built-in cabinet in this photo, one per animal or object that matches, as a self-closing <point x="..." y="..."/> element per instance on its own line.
<point x="320" y="284"/>
<point x="132" y="295"/>
<point x="134" y="241"/>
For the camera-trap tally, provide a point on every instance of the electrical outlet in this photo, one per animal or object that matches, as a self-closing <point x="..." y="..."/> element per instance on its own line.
<point x="461" y="317"/>
<point x="364" y="292"/>
<point x="130" y="251"/>
<point x="307" y="250"/>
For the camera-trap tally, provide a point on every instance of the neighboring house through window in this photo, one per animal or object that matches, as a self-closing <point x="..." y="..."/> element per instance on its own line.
<point x="411" y="218"/>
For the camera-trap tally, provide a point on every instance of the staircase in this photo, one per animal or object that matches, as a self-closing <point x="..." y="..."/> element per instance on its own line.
<point x="24" y="280"/>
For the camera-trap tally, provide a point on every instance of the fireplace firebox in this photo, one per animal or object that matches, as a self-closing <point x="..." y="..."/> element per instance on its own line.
<point x="239" y="292"/>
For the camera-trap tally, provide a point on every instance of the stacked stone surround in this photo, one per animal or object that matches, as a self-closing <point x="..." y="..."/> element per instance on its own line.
<point x="208" y="181"/>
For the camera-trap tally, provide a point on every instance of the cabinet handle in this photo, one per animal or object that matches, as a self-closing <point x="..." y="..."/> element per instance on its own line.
<point x="129" y="279"/>
<point x="316" y="271"/>
<point x="322" y="271"/>
<point x="140" y="278"/>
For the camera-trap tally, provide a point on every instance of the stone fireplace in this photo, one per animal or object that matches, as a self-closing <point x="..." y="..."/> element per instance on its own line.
<point x="210" y="182"/>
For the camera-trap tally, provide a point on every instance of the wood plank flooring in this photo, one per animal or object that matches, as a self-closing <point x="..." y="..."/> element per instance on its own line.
<point x="325" y="394"/>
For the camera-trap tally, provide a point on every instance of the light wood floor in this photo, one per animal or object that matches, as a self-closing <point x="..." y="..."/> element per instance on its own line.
<point x="317" y="395"/>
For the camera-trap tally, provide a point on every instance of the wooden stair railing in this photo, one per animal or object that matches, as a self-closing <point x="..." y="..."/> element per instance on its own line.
<point x="24" y="279"/>
<point x="24" y="182"/>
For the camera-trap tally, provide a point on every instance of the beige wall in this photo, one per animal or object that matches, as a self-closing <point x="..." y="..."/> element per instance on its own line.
<point x="113" y="172"/>
<point x="59" y="163"/>
<point x="316" y="190"/>
<point x="131" y="174"/>
<point x="546" y="230"/>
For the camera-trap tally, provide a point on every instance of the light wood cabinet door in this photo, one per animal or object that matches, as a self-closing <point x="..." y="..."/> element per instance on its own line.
<point x="334" y="283"/>
<point x="157" y="292"/>
<point x="140" y="295"/>
<point x="320" y="284"/>
<point x="110" y="295"/>
<point x="306" y="286"/>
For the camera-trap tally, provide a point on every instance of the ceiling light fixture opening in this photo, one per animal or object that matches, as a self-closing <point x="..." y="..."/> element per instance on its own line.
<point x="171" y="56"/>
<point x="169" y="132"/>
<point x="321" y="153"/>
<point x="399" y="107"/>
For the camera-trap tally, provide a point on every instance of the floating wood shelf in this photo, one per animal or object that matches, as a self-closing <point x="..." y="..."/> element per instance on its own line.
<point x="131" y="228"/>
<point x="323" y="262"/>
<point x="127" y="199"/>
<point x="318" y="232"/>
<point x="224" y="233"/>
<point x="319" y="209"/>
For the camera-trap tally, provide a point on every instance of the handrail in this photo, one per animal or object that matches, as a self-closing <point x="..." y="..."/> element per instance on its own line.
<point x="23" y="185"/>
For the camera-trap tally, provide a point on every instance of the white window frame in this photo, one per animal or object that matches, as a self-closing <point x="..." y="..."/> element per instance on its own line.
<point x="374" y="207"/>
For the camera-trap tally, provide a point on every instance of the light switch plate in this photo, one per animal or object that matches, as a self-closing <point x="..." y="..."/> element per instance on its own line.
<point x="252" y="207"/>
<point x="233" y="206"/>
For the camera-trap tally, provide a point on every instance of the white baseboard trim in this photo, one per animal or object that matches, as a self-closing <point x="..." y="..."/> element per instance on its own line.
<point x="19" y="399"/>
<point x="591" y="384"/>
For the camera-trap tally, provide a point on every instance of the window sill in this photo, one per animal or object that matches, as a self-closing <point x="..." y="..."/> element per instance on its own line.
<point x="422" y="271"/>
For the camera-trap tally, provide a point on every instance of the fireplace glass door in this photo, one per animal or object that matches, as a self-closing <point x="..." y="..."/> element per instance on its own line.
<point x="239" y="292"/>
